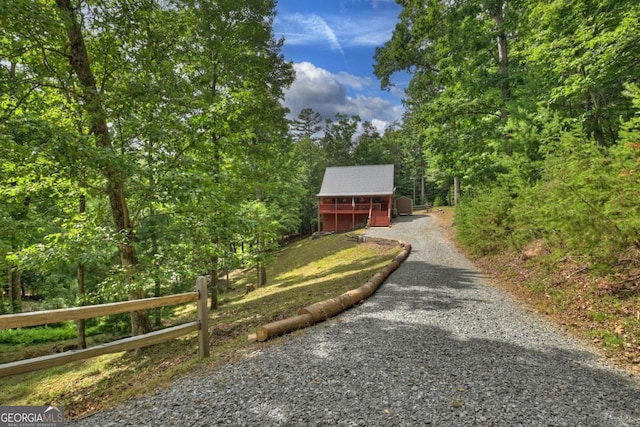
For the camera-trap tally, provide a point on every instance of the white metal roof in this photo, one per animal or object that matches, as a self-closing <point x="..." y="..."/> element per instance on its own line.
<point x="371" y="180"/>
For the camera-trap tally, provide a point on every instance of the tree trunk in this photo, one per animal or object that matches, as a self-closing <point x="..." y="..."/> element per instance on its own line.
<point x="423" y="173"/>
<point x="15" y="279"/>
<point x="3" y="290"/>
<point x="157" y="288"/>
<point x="16" y="290"/>
<point x="140" y="322"/>
<point x="456" y="190"/>
<point x="214" y="283"/>
<point x="503" y="57"/>
<point x="82" y="336"/>
<point x="263" y="275"/>
<point x="594" y="118"/>
<point x="217" y="163"/>
<point x="79" y="61"/>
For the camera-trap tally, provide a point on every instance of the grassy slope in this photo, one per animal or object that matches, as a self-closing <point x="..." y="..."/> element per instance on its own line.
<point x="302" y="273"/>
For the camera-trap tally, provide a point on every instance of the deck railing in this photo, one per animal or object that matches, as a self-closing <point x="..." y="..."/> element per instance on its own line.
<point x="349" y="207"/>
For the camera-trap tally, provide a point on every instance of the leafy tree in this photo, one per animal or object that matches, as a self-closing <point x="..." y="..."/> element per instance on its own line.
<point x="239" y="75"/>
<point x="369" y="147"/>
<point x="309" y="164"/>
<point x="524" y="102"/>
<point x="338" y="141"/>
<point x="170" y="112"/>
<point x="410" y="162"/>
<point x="306" y="125"/>
<point x="581" y="53"/>
<point x="461" y="87"/>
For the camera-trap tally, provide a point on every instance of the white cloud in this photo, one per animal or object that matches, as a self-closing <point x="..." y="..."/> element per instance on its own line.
<point x="327" y="93"/>
<point x="308" y="29"/>
<point x="380" y="125"/>
<point x="353" y="81"/>
<point x="338" y="31"/>
<point x="365" y="30"/>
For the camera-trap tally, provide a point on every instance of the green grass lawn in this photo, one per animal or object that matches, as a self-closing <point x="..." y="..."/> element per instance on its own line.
<point x="300" y="274"/>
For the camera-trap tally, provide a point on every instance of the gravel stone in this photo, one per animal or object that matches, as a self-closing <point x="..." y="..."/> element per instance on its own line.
<point x="436" y="345"/>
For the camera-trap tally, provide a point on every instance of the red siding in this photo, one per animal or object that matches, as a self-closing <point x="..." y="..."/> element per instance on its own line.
<point x="346" y="213"/>
<point x="344" y="222"/>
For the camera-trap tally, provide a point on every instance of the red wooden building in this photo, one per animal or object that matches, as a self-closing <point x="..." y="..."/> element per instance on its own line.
<point x="354" y="196"/>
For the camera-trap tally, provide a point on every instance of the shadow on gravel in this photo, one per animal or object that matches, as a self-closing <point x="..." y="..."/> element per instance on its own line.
<point x="394" y="359"/>
<point x="425" y="286"/>
<point x="433" y="276"/>
<point x="426" y="374"/>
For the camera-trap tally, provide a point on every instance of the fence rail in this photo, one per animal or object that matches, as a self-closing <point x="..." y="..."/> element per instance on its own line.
<point x="54" y="316"/>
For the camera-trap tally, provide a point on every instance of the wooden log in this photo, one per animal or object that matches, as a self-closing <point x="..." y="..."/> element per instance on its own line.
<point x="277" y="328"/>
<point x="379" y="277"/>
<point x="323" y="310"/>
<point x="368" y="289"/>
<point x="354" y="296"/>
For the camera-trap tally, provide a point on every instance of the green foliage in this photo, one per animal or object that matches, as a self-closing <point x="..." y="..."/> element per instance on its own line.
<point x="586" y="201"/>
<point x="27" y="336"/>
<point x="483" y="108"/>
<point x="439" y="201"/>
<point x="598" y="316"/>
<point x="483" y="221"/>
<point x="190" y="98"/>
<point x="457" y="94"/>
<point x="542" y="127"/>
<point x="610" y="340"/>
<point x="310" y="164"/>
<point x="576" y="187"/>
<point x="117" y="325"/>
<point x="338" y="141"/>
<point x="582" y="51"/>
<point x="44" y="334"/>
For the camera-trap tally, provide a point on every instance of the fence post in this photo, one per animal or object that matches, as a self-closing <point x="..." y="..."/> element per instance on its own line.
<point x="203" y="316"/>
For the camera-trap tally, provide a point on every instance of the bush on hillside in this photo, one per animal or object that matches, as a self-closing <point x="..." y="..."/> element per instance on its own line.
<point x="482" y="220"/>
<point x="586" y="202"/>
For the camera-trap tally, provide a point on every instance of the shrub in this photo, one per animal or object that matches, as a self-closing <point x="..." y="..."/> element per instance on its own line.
<point x="483" y="222"/>
<point x="42" y="334"/>
<point x="588" y="200"/>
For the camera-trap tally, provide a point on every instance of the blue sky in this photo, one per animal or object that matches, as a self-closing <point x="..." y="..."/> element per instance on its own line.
<point x="332" y="43"/>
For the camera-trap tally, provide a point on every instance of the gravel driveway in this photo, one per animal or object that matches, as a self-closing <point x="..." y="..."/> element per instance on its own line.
<point x="436" y="345"/>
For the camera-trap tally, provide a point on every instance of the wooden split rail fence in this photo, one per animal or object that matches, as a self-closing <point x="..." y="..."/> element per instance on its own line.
<point x="35" y="318"/>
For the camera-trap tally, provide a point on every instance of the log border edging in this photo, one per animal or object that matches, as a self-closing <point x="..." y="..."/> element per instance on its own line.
<point x="323" y="310"/>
